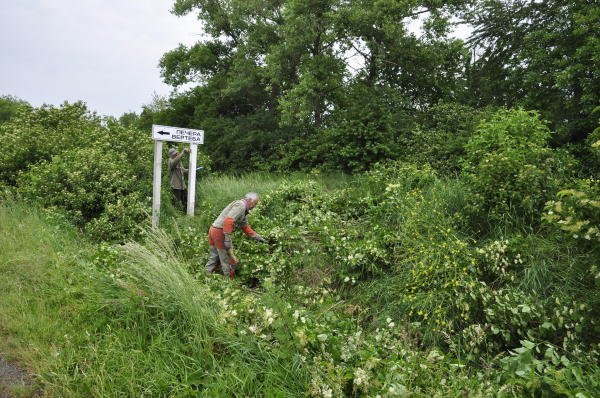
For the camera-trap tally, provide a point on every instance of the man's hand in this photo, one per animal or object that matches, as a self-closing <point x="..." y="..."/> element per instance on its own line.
<point x="227" y="243"/>
<point x="187" y="150"/>
<point x="259" y="238"/>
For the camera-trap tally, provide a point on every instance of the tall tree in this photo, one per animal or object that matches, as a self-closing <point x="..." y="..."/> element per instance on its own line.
<point x="542" y="55"/>
<point x="286" y="69"/>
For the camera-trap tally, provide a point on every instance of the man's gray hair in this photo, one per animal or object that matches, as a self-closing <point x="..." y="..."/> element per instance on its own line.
<point x="253" y="196"/>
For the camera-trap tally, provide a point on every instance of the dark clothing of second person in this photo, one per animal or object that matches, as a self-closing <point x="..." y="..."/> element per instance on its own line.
<point x="177" y="180"/>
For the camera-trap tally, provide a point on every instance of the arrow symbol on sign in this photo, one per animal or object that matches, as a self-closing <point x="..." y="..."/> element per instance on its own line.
<point x="163" y="133"/>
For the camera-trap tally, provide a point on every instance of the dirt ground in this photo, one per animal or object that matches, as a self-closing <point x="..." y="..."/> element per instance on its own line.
<point x="9" y="375"/>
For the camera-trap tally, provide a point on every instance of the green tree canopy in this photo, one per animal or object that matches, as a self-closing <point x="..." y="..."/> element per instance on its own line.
<point x="542" y="55"/>
<point x="9" y="105"/>
<point x="269" y="72"/>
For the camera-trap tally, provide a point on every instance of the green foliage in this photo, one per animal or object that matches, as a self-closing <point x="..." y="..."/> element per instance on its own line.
<point x="121" y="219"/>
<point x="71" y="160"/>
<point x="440" y="136"/>
<point x="577" y="213"/>
<point x="275" y="87"/>
<point x="364" y="129"/>
<point x="540" y="55"/>
<point x="538" y="368"/>
<point x="80" y="186"/>
<point x="577" y="210"/>
<point x="129" y="119"/>
<point x="594" y="140"/>
<point x="9" y="105"/>
<point x="404" y="176"/>
<point x="38" y="134"/>
<point x="368" y="285"/>
<point x="508" y="166"/>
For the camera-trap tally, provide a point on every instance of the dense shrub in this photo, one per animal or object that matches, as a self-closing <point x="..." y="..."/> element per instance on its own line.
<point x="440" y="136"/>
<point x="407" y="175"/>
<point x="121" y="220"/>
<point x="72" y="160"/>
<point x="364" y="129"/>
<point x="83" y="182"/>
<point x="9" y="105"/>
<point x="577" y="210"/>
<point x="36" y="134"/>
<point x="508" y="166"/>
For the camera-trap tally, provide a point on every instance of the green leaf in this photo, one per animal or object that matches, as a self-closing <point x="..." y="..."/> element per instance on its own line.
<point x="528" y="344"/>
<point x="578" y="375"/>
<point x="195" y="378"/>
<point x="546" y="325"/>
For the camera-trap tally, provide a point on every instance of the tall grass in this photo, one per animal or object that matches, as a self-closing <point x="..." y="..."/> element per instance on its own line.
<point x="157" y="268"/>
<point x="36" y="286"/>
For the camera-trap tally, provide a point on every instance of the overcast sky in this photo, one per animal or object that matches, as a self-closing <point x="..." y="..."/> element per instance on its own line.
<point x="103" y="52"/>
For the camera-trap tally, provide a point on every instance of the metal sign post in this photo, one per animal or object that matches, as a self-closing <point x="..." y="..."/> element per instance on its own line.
<point x="174" y="134"/>
<point x="191" y="201"/>
<point x="156" y="184"/>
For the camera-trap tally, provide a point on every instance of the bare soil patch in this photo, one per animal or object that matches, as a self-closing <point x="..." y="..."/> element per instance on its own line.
<point x="9" y="375"/>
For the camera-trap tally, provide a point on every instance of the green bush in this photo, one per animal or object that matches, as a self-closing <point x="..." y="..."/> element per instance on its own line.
<point x="36" y="134"/>
<point x="407" y="175"/>
<point x="106" y="181"/>
<point x="577" y="210"/>
<point x="81" y="182"/>
<point x="440" y="136"/>
<point x="365" y="129"/>
<point x="508" y="166"/>
<point x="120" y="221"/>
<point x="9" y="105"/>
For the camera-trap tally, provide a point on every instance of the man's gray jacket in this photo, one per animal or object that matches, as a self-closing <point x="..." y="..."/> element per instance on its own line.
<point x="176" y="172"/>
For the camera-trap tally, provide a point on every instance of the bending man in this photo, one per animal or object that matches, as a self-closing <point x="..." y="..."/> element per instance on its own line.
<point x="219" y="235"/>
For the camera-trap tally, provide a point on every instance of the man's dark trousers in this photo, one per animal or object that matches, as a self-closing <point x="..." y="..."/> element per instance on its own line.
<point x="181" y="195"/>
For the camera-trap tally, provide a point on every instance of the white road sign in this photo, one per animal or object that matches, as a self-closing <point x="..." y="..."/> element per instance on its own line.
<point x="177" y="134"/>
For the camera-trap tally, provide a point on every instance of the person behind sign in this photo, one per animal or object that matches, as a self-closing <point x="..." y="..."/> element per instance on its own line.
<point x="219" y="235"/>
<point x="176" y="173"/>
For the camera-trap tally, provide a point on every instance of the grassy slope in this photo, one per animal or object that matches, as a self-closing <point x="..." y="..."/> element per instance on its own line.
<point x="35" y="280"/>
